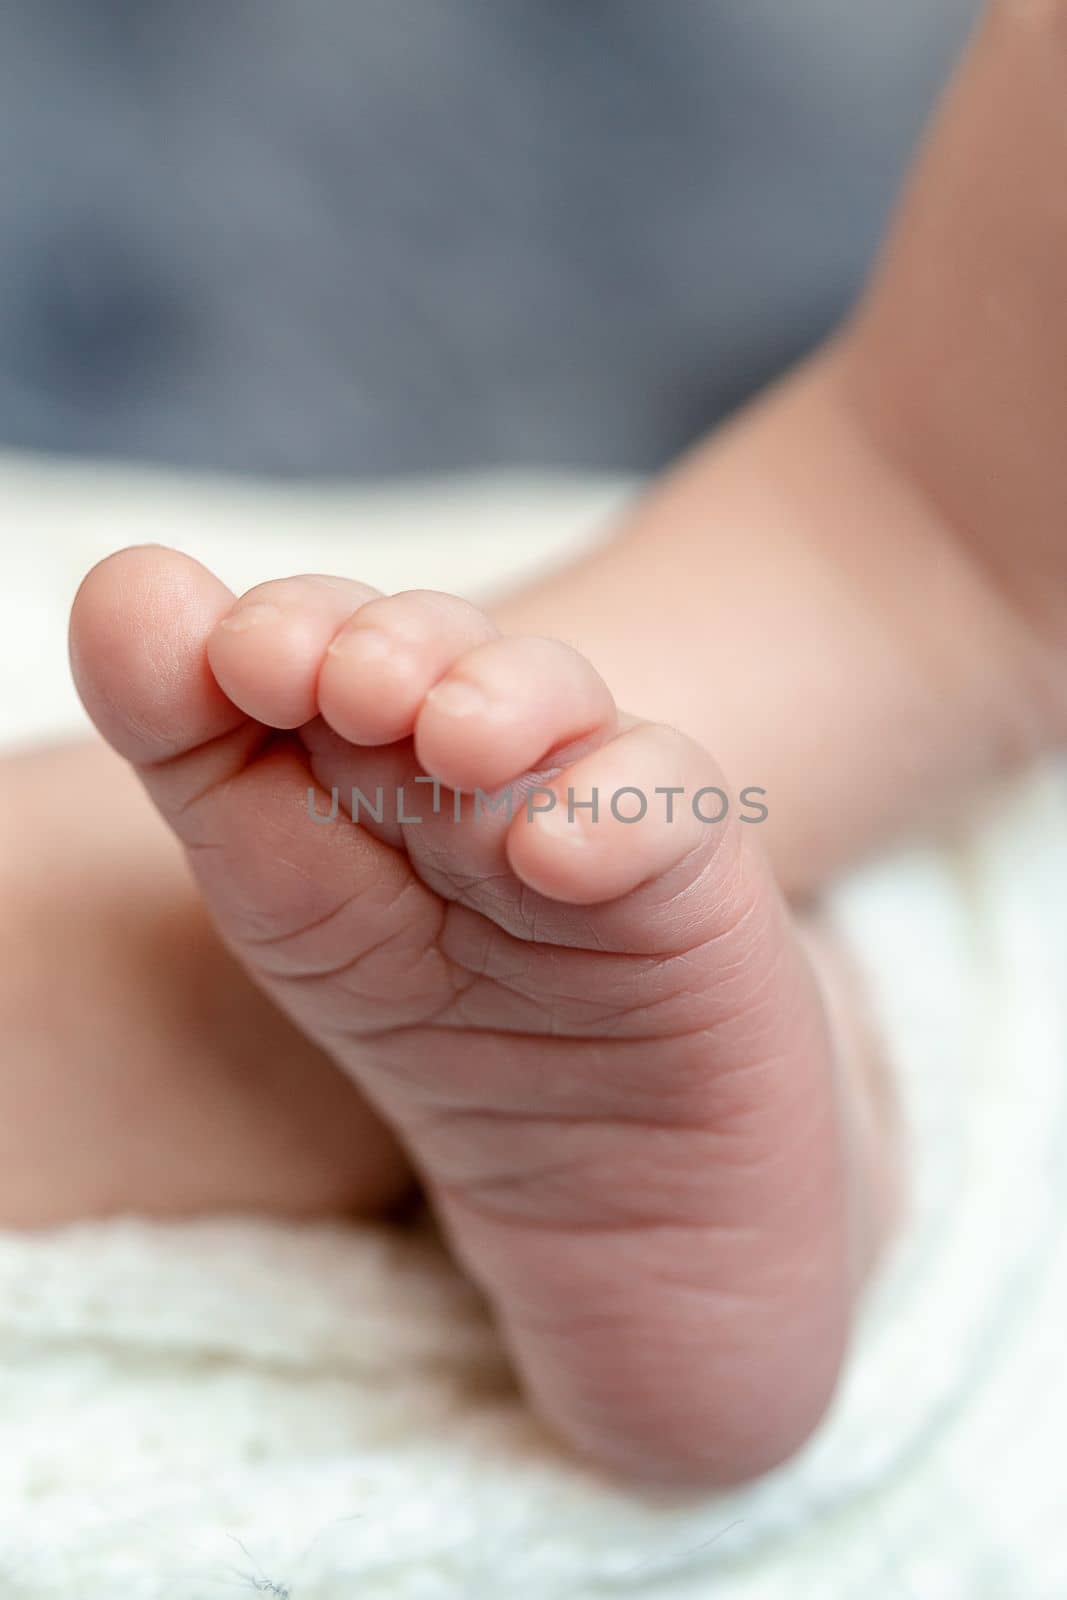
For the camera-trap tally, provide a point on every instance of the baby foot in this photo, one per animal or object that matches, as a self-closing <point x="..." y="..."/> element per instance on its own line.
<point x="599" y="1038"/>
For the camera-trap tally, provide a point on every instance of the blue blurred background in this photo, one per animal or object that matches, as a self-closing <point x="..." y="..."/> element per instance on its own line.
<point x="309" y="237"/>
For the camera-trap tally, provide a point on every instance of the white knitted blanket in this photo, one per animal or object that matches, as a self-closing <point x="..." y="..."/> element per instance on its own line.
<point x="322" y="1412"/>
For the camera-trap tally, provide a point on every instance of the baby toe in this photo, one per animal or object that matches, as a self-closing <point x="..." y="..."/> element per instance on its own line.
<point x="137" y="632"/>
<point x="381" y="665"/>
<point x="507" y="706"/>
<point x="267" y="652"/>
<point x="620" y="817"/>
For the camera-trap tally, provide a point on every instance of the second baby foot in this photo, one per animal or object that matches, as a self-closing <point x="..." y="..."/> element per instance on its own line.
<point x="600" y="1038"/>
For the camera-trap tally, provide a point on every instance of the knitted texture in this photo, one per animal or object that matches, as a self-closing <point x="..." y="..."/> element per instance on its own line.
<point x="323" y="1411"/>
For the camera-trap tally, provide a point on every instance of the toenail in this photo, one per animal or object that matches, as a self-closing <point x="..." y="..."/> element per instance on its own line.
<point x="458" y="699"/>
<point x="250" y="617"/>
<point x="369" y="644"/>
<point x="558" y="825"/>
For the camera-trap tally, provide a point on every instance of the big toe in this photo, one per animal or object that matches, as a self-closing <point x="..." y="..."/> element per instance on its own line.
<point x="138" y="635"/>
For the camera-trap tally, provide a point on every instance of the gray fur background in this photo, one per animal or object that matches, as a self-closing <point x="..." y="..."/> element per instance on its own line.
<point x="365" y="236"/>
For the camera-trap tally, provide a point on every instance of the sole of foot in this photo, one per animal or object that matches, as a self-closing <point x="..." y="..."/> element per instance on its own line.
<point x="596" y="1030"/>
